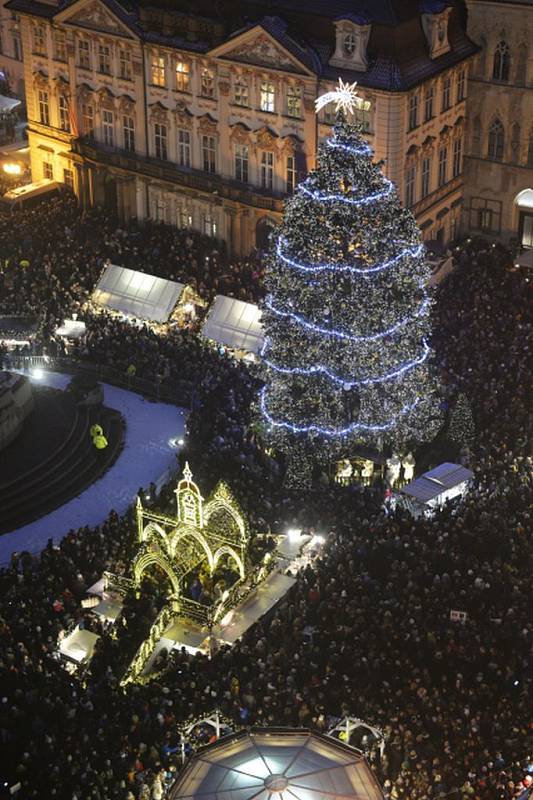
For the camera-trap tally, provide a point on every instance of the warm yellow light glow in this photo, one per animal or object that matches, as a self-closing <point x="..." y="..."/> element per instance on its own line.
<point x="12" y="169"/>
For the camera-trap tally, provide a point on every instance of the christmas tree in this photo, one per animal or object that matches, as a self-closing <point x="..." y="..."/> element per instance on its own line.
<point x="461" y="429"/>
<point x="347" y="315"/>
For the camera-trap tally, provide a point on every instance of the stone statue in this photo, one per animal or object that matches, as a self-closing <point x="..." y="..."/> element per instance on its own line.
<point x="394" y="465"/>
<point x="408" y="465"/>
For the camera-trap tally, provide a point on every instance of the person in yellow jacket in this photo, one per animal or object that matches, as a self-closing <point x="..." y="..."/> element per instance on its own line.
<point x="96" y="430"/>
<point x="100" y="442"/>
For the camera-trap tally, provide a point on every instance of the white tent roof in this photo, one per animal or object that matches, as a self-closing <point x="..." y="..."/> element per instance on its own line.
<point x="137" y="294"/>
<point x="235" y="324"/>
<point x="71" y="329"/>
<point x="79" y="645"/>
<point x="8" y="103"/>
<point x="436" y="481"/>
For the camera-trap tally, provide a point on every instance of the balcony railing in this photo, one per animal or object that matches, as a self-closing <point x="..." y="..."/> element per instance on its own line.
<point x="443" y="191"/>
<point x="172" y="173"/>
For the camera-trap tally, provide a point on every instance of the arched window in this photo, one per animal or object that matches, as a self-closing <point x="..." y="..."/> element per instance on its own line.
<point x="496" y="141"/>
<point x="502" y="62"/>
<point x="530" y="150"/>
<point x="521" y="66"/>
<point x="476" y="137"/>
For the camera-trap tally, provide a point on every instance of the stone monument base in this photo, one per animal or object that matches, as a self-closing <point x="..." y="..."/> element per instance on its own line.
<point x="16" y="402"/>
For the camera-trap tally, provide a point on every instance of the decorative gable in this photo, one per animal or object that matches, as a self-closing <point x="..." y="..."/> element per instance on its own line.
<point x="435" y="25"/>
<point x="261" y="50"/>
<point x="351" y="40"/>
<point x="95" y="16"/>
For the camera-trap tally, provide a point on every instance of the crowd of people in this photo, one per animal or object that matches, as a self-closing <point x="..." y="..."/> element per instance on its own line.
<point x="366" y="629"/>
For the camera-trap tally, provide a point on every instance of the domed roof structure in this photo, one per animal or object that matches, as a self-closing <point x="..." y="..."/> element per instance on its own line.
<point x="277" y="764"/>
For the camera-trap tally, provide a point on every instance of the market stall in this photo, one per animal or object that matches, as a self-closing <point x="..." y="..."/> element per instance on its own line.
<point x="430" y="491"/>
<point x="235" y="325"/>
<point x="144" y="296"/>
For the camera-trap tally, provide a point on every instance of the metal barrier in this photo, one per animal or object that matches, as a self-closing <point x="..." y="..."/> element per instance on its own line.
<point x="178" y="392"/>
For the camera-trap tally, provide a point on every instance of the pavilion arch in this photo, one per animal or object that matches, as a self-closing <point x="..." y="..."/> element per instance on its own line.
<point x="147" y="559"/>
<point x="191" y="533"/>
<point x="219" y="507"/>
<point x="226" y="550"/>
<point x="155" y="533"/>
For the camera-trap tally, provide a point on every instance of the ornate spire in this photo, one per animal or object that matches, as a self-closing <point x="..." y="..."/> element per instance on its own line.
<point x="187" y="472"/>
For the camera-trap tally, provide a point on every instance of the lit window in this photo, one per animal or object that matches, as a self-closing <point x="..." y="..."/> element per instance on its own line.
<point x="48" y="171"/>
<point x="496" y="141"/>
<point x="461" y="86"/>
<point x="410" y="186"/>
<point x="426" y="170"/>
<point x="294" y="101"/>
<point x="207" y="83"/>
<point x="209" y="153"/>
<point x="457" y="157"/>
<point x="241" y="162"/>
<point x="501" y="62"/>
<point x="160" y="135"/>
<point x="60" y="46"/>
<point x="210" y="225"/>
<point x="158" y="71"/>
<point x="446" y="94"/>
<point x="267" y="96"/>
<point x="443" y="165"/>
<point x="44" y="108"/>
<point x="125" y="64"/>
<point x="128" y="128"/>
<point x="104" y="59"/>
<point x="108" y="125"/>
<point x="267" y="170"/>
<point x="68" y="178"/>
<point x="428" y="104"/>
<point x="413" y="111"/>
<point x="185" y="217"/>
<point x="64" y="121"/>
<point x="291" y="174"/>
<point x="84" y="54"/>
<point x="240" y="92"/>
<point x="183" y="76"/>
<point x="87" y="120"/>
<point x="363" y="116"/>
<point x="184" y="148"/>
<point x="39" y="40"/>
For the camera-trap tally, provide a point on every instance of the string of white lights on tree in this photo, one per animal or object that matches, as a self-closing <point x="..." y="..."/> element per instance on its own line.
<point x="347" y="352"/>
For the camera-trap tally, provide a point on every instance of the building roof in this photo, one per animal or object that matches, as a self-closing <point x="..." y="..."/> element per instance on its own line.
<point x="397" y="50"/>
<point x="436" y="481"/>
<point x="281" y="763"/>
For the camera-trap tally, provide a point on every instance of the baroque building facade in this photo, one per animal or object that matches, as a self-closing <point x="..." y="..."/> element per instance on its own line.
<point x="11" y="60"/>
<point x="499" y="162"/>
<point x="208" y="121"/>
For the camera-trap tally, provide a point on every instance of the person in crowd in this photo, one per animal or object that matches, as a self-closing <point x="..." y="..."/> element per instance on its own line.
<point x="453" y="698"/>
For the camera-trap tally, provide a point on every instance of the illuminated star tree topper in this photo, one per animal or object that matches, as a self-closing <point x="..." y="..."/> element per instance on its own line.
<point x="345" y="98"/>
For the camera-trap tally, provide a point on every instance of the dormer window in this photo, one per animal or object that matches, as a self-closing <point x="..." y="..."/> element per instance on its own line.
<point x="435" y="27"/>
<point x="352" y="34"/>
<point x="349" y="43"/>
